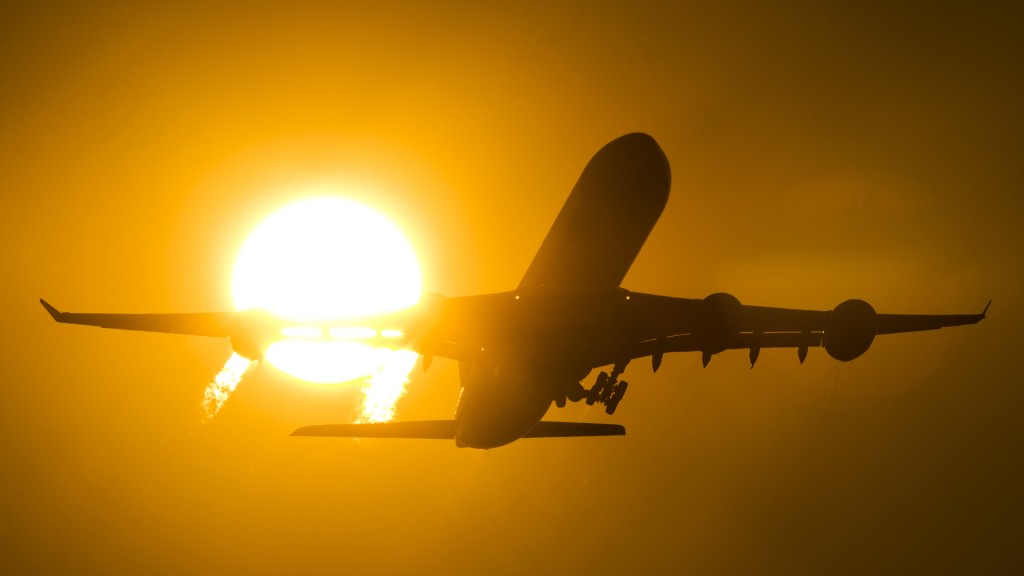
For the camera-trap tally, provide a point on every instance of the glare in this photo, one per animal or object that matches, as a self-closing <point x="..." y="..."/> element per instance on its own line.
<point x="323" y="361"/>
<point x="324" y="260"/>
<point x="352" y="332"/>
<point x="301" y="332"/>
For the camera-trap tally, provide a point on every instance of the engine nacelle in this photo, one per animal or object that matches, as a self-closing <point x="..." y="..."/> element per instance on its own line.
<point x="252" y="332"/>
<point x="851" y="330"/>
<point x="717" y="323"/>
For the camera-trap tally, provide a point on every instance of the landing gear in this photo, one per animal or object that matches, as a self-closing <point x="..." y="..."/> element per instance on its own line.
<point x="608" y="390"/>
<point x="598" y="391"/>
<point x="574" y="393"/>
<point x="617" y="393"/>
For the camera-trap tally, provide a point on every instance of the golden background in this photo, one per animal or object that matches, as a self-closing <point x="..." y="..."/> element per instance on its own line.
<point x="819" y="153"/>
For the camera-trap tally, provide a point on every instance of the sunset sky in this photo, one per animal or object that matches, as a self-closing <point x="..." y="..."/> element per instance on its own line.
<point x="818" y="154"/>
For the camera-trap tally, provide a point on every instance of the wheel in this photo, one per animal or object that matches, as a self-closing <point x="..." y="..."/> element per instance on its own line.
<point x="616" y="397"/>
<point x="607" y="391"/>
<point x="620" y="390"/>
<point x="598" y="389"/>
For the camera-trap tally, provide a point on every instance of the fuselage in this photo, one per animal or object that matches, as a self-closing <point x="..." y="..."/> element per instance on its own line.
<point x="534" y="343"/>
<point x="533" y="349"/>
<point x="529" y="352"/>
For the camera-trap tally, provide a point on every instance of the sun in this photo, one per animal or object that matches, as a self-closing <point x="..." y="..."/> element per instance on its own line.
<point x="326" y="259"/>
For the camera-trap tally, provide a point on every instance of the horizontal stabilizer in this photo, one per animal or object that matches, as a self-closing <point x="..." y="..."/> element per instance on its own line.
<point x="429" y="429"/>
<point x="445" y="430"/>
<point x="545" y="429"/>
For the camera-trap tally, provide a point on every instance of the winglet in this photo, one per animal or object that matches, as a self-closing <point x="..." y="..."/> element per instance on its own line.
<point x="985" y="310"/>
<point x="53" y="311"/>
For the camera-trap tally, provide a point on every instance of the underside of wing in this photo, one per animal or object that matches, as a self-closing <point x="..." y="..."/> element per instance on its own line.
<point x="719" y="322"/>
<point x="197" y="324"/>
<point x="896" y="323"/>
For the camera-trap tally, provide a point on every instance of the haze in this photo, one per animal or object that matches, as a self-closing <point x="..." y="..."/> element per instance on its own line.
<point x="818" y="154"/>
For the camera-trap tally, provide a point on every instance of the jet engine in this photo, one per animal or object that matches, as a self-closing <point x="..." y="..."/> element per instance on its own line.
<point x="252" y="332"/>
<point x="851" y="330"/>
<point x="718" y="323"/>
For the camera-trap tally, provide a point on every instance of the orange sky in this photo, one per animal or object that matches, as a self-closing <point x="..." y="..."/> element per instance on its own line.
<point x="818" y="154"/>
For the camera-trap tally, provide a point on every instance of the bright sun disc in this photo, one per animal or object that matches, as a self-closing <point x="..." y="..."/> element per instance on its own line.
<point x="320" y="260"/>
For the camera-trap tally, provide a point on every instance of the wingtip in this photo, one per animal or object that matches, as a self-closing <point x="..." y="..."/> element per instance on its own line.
<point x="53" y="311"/>
<point x="985" y="311"/>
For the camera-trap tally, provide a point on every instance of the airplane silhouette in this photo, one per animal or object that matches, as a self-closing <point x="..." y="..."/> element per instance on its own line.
<point x="522" y="350"/>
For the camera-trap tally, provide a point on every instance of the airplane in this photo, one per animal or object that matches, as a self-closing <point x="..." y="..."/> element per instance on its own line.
<point x="523" y="350"/>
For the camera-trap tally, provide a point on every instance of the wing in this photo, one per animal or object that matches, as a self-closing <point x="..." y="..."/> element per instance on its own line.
<point x="896" y="323"/>
<point x="199" y="324"/>
<point x="785" y="320"/>
<point x="253" y="331"/>
<point x="605" y="221"/>
<point x="662" y="325"/>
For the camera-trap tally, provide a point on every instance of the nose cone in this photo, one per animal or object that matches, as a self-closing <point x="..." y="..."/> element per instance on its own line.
<point x="606" y="219"/>
<point x="634" y="162"/>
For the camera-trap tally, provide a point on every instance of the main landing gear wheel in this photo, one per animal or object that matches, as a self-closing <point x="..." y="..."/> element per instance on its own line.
<point x="598" y="391"/>
<point x="617" y="394"/>
<point x="608" y="391"/>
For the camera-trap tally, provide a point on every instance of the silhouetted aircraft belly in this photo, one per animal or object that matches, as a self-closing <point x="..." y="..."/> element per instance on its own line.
<point x="521" y="351"/>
